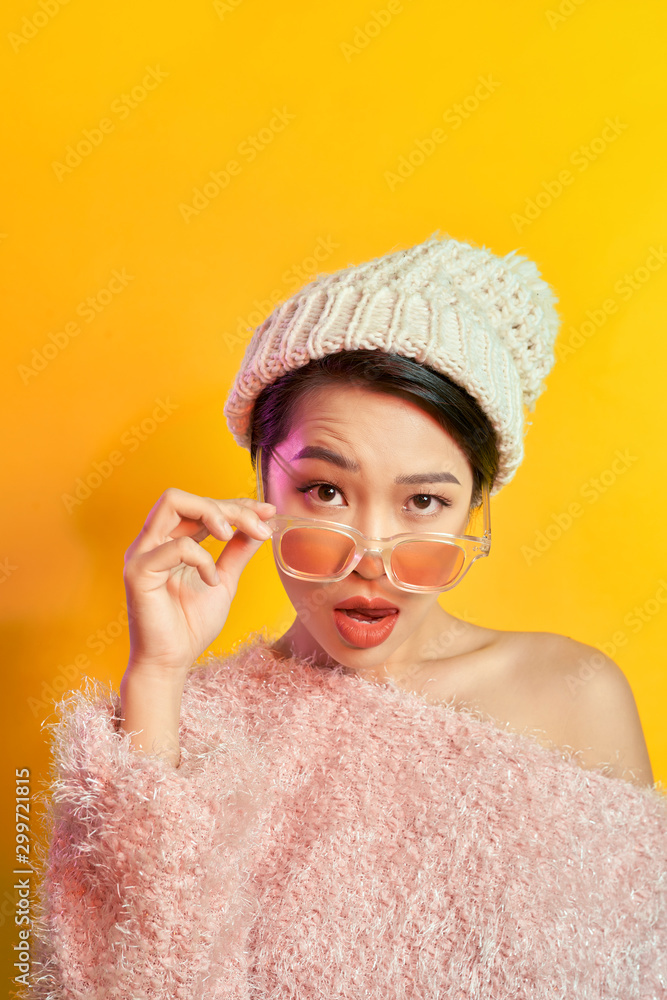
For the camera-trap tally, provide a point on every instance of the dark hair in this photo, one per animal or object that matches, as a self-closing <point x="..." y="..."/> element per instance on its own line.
<point x="452" y="406"/>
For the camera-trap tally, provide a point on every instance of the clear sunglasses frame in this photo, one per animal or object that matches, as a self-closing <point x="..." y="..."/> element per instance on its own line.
<point x="473" y="547"/>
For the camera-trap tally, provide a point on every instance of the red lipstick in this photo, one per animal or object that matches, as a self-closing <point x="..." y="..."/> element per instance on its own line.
<point x="365" y="622"/>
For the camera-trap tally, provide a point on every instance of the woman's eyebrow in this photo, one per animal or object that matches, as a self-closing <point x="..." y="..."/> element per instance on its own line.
<point x="327" y="455"/>
<point x="427" y="477"/>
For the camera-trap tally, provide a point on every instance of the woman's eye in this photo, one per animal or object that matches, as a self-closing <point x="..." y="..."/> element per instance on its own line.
<point x="322" y="492"/>
<point x="428" y="503"/>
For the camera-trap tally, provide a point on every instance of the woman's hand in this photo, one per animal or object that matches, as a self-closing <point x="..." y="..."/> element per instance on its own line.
<point x="178" y="597"/>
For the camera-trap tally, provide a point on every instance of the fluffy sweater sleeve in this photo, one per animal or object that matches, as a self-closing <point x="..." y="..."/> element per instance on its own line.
<point x="141" y="893"/>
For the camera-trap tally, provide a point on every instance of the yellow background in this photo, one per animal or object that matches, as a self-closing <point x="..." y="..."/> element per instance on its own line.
<point x="360" y="88"/>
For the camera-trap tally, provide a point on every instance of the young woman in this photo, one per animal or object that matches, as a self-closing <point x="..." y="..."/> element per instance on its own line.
<point x="366" y="422"/>
<point x="386" y="800"/>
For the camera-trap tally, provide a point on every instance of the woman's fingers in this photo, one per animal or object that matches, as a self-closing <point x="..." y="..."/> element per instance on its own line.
<point x="185" y="550"/>
<point x="180" y="520"/>
<point x="178" y="513"/>
<point x="225" y="512"/>
<point x="169" y="556"/>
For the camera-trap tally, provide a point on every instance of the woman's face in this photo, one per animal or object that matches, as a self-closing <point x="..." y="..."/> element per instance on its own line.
<point x="381" y="465"/>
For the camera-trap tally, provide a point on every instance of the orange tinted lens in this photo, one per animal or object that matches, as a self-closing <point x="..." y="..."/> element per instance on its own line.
<point x="316" y="551"/>
<point x="427" y="564"/>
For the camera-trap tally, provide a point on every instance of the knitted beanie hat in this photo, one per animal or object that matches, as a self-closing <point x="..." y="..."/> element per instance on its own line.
<point x="487" y="322"/>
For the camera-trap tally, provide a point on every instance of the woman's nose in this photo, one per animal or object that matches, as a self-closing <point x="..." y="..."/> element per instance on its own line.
<point x="370" y="566"/>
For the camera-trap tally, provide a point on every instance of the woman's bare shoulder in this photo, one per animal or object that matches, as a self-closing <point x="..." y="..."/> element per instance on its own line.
<point x="580" y="697"/>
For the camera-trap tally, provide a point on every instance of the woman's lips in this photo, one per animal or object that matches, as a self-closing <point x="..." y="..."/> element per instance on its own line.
<point x="359" y="602"/>
<point x="363" y="628"/>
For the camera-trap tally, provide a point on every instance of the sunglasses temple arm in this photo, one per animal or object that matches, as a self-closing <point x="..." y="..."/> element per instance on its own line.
<point x="258" y="471"/>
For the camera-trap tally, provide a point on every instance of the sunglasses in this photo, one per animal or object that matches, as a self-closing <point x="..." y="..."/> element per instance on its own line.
<point x="308" y="548"/>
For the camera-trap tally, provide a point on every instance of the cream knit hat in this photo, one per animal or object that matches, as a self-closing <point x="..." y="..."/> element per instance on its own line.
<point x="487" y="322"/>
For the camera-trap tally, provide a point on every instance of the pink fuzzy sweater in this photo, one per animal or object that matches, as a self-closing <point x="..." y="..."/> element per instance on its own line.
<point x="328" y="837"/>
